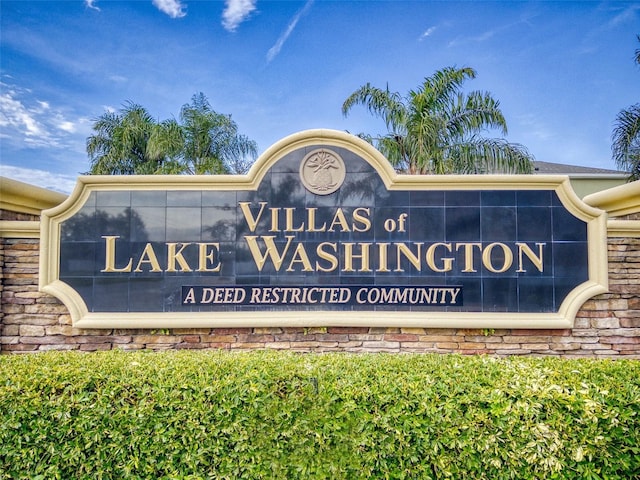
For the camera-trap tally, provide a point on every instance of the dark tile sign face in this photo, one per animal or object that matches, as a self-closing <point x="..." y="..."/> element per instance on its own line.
<point x="356" y="245"/>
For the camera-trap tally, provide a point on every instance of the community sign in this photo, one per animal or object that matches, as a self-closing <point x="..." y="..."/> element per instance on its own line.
<point x="323" y="232"/>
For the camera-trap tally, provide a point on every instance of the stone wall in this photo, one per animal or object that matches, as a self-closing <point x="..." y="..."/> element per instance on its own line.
<point x="22" y="217"/>
<point x="607" y="326"/>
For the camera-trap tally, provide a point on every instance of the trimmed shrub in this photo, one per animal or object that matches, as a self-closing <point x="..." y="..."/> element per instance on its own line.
<point x="192" y="415"/>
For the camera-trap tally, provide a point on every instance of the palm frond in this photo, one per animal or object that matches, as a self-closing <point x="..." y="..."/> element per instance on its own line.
<point x="204" y="141"/>
<point x="474" y="112"/>
<point x="384" y="104"/>
<point x="489" y="155"/>
<point x="625" y="147"/>
<point x="437" y="128"/>
<point x="438" y="89"/>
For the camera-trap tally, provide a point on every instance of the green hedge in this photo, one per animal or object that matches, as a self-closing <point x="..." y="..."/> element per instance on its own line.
<point x="338" y="416"/>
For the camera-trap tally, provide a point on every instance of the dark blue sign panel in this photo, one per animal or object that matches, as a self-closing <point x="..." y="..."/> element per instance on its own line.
<point x="321" y="230"/>
<point x="349" y="295"/>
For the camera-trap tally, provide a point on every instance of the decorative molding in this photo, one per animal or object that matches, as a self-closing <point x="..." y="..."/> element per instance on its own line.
<point x="617" y="201"/>
<point x="623" y="228"/>
<point x="19" y="229"/>
<point x="21" y="197"/>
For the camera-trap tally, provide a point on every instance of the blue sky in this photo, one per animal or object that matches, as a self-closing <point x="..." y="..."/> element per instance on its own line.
<point x="561" y="70"/>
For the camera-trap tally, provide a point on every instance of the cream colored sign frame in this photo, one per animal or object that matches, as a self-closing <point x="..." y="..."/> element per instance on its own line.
<point x="596" y="230"/>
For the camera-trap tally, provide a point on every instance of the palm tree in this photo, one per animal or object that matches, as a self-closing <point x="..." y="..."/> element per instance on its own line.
<point x="436" y="129"/>
<point x="203" y="142"/>
<point x="212" y="143"/>
<point x="119" y="145"/>
<point x="626" y="141"/>
<point x="625" y="146"/>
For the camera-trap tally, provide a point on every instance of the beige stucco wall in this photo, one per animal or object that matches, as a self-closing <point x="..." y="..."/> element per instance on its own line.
<point x="585" y="185"/>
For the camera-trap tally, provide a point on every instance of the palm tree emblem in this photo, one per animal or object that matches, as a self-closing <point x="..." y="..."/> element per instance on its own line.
<point x="322" y="171"/>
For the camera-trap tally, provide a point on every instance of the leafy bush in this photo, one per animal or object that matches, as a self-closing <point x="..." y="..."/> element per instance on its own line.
<point x="283" y="415"/>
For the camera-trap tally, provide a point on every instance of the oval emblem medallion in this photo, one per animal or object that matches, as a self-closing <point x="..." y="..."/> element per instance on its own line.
<point x="322" y="171"/>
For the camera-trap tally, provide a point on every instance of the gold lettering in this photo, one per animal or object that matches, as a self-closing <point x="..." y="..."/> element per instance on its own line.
<point x="349" y="256"/>
<point x="329" y="257"/>
<point x="536" y="260"/>
<point x="173" y="256"/>
<point x="383" y="258"/>
<point x="148" y="256"/>
<point x="275" y="219"/>
<point x="289" y="216"/>
<point x="300" y="256"/>
<point x="447" y="261"/>
<point x="361" y="216"/>
<point x="468" y="255"/>
<point x="339" y="219"/>
<point x="271" y="250"/>
<point x="403" y="250"/>
<point x="311" y="221"/>
<point x="252" y="221"/>
<point x="486" y="257"/>
<point x="204" y="258"/>
<point x="110" y="256"/>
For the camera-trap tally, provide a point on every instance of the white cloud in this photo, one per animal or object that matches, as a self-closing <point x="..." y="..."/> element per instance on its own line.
<point x="236" y="12"/>
<point x="622" y="15"/>
<point x="173" y="8"/>
<point x="14" y="115"/>
<point x="91" y="4"/>
<point x="627" y="15"/>
<point x="39" y="178"/>
<point x="118" y="78"/>
<point x="67" y="126"/>
<point x="27" y="122"/>
<point x="427" y="33"/>
<point x="275" y="50"/>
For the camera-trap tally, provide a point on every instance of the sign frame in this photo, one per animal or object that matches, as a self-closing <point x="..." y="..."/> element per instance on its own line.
<point x="595" y="219"/>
